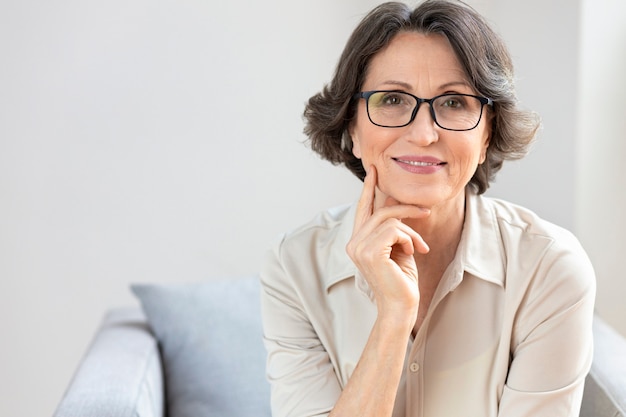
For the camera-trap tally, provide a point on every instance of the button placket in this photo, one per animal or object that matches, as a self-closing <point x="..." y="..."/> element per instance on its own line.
<point x="414" y="380"/>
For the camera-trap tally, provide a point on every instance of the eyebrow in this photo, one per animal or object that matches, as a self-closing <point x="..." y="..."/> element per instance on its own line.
<point x="399" y="84"/>
<point x="406" y="86"/>
<point x="455" y="84"/>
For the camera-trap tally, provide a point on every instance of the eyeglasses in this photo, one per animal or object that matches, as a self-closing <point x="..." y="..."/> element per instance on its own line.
<point x="456" y="112"/>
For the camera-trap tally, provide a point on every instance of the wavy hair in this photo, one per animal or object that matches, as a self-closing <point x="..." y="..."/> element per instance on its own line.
<point x="482" y="54"/>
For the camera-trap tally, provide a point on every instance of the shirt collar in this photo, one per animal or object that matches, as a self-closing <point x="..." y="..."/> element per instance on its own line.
<point x="480" y="252"/>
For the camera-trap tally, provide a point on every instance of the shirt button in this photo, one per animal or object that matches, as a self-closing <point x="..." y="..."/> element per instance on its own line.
<point x="414" y="367"/>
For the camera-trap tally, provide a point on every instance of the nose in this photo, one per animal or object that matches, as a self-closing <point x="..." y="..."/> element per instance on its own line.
<point x="422" y="130"/>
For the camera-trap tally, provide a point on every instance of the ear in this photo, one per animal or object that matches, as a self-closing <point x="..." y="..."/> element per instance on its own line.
<point x="356" y="143"/>
<point x="485" y="144"/>
<point x="483" y="151"/>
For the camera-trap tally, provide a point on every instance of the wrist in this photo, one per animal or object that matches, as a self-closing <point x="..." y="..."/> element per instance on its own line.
<point x="397" y="320"/>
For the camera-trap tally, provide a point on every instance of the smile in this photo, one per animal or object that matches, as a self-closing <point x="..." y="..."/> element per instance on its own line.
<point x="419" y="163"/>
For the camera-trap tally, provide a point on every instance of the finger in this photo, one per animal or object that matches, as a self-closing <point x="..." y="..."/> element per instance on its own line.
<point x="400" y="212"/>
<point x="365" y="206"/>
<point x="383" y="215"/>
<point x="390" y="202"/>
<point x="415" y="241"/>
<point x="420" y="244"/>
<point x="405" y="242"/>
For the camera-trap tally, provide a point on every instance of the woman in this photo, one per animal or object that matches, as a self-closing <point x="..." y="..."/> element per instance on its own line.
<point x="425" y="298"/>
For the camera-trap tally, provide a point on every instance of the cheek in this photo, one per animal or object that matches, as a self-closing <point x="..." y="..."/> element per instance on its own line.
<point x="466" y="157"/>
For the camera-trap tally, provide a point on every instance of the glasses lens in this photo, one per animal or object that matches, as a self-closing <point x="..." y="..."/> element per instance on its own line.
<point x="457" y="111"/>
<point x="390" y="109"/>
<point x="452" y="111"/>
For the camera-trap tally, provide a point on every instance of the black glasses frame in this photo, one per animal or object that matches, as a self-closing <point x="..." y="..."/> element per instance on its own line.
<point x="367" y="94"/>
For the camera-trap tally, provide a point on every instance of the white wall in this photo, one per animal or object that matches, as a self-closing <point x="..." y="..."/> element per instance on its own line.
<point x="601" y="196"/>
<point x="146" y="141"/>
<point x="546" y="61"/>
<point x="161" y="141"/>
<point x="571" y="60"/>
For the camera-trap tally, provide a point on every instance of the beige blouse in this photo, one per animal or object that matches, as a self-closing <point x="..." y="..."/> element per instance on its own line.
<point x="508" y="332"/>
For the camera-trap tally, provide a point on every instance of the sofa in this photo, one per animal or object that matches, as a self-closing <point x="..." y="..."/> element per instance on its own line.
<point x="195" y="350"/>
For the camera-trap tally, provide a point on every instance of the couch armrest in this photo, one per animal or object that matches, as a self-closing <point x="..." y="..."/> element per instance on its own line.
<point x="121" y="373"/>
<point x="605" y="386"/>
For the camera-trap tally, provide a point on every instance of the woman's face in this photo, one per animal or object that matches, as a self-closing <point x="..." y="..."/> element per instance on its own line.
<point x="420" y="164"/>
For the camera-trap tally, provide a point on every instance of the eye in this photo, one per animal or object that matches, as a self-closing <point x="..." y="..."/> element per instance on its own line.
<point x="392" y="99"/>
<point x="452" y="102"/>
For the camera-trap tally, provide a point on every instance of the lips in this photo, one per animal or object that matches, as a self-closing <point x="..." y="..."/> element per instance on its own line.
<point x="420" y="164"/>
<point x="424" y="161"/>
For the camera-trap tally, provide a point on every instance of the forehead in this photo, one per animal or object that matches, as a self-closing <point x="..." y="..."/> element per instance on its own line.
<point x="415" y="58"/>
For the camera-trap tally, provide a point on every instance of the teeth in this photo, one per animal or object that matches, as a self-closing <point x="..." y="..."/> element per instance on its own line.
<point x="418" y="163"/>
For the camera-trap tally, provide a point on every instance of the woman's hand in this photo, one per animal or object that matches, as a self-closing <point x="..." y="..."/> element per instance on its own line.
<point x="383" y="248"/>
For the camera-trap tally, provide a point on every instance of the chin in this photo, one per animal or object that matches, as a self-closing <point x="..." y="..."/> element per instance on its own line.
<point x="420" y="202"/>
<point x="426" y="196"/>
<point x="421" y="197"/>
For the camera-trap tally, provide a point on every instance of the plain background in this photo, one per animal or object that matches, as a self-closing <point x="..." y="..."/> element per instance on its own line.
<point x="160" y="141"/>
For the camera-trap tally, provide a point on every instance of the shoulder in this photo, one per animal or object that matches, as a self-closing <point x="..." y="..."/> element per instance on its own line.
<point x="314" y="251"/>
<point x="328" y="230"/>
<point x="516" y="221"/>
<point x="536" y="248"/>
<point x="550" y="283"/>
<point x="322" y="225"/>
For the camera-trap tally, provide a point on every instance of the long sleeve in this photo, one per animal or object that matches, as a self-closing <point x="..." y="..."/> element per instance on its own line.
<point x="552" y="342"/>
<point x="303" y="380"/>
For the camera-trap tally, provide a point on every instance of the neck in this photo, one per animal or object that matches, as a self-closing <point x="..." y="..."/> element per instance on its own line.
<point x="441" y="231"/>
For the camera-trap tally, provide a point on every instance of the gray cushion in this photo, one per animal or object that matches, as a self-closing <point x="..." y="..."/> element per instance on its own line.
<point x="120" y="374"/>
<point x="605" y="387"/>
<point x="210" y="335"/>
